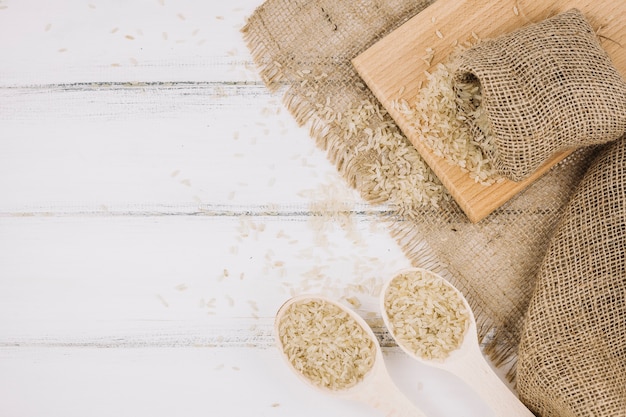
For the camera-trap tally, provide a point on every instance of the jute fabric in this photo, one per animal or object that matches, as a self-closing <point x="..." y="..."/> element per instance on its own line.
<point x="572" y="355"/>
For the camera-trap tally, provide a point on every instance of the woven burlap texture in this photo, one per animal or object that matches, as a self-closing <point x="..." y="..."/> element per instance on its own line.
<point x="572" y="355"/>
<point x="303" y="49"/>
<point x="554" y="89"/>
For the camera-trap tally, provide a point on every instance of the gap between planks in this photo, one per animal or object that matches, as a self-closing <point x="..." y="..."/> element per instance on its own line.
<point x="199" y="210"/>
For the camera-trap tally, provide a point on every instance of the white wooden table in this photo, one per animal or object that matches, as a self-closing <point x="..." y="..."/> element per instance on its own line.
<point x="157" y="206"/>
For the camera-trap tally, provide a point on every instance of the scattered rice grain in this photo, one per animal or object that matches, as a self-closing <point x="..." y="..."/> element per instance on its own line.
<point x="354" y="302"/>
<point x="230" y="300"/>
<point x="162" y="300"/>
<point x="428" y="58"/>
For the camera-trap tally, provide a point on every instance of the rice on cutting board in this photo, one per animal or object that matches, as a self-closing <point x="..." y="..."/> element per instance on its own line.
<point x="434" y="117"/>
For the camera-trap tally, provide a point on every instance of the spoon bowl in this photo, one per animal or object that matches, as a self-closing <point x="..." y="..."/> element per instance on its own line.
<point x="374" y="387"/>
<point x="463" y="358"/>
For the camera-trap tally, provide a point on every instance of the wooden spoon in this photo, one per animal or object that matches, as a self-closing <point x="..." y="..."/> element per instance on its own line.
<point x="376" y="388"/>
<point x="467" y="361"/>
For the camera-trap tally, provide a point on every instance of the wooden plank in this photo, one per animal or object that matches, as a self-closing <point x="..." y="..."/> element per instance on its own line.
<point x="83" y="276"/>
<point x="158" y="144"/>
<point x="394" y="64"/>
<point x="148" y="41"/>
<point x="196" y="382"/>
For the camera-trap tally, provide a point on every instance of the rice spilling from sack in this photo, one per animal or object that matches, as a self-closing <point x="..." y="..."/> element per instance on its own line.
<point x="547" y="88"/>
<point x="425" y="314"/>
<point x="326" y="344"/>
<point x="434" y="116"/>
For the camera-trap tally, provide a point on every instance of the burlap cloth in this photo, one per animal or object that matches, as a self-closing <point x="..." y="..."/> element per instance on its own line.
<point x="555" y="89"/>
<point x="572" y="356"/>
<point x="303" y="48"/>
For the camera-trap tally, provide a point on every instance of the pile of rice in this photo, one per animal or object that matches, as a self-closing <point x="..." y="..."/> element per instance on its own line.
<point x="425" y="314"/>
<point x="400" y="176"/>
<point x="434" y="116"/>
<point x="326" y="344"/>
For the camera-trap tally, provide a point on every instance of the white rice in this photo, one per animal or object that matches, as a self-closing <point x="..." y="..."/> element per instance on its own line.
<point x="433" y="114"/>
<point x="325" y="344"/>
<point x="425" y="314"/>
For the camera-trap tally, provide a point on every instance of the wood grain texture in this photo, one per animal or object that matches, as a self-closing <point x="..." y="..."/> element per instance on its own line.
<point x="157" y="205"/>
<point x="395" y="64"/>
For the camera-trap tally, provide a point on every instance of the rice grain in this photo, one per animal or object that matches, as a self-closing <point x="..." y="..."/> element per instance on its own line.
<point x="434" y="116"/>
<point x="326" y="344"/>
<point x="425" y="314"/>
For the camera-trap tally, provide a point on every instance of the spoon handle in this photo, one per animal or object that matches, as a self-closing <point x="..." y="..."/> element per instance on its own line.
<point x="477" y="373"/>
<point x="385" y="396"/>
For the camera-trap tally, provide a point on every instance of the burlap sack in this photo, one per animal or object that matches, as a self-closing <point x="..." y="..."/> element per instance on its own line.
<point x="546" y="88"/>
<point x="572" y="356"/>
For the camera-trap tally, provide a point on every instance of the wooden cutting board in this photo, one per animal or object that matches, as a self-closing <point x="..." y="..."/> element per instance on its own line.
<point x="394" y="64"/>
